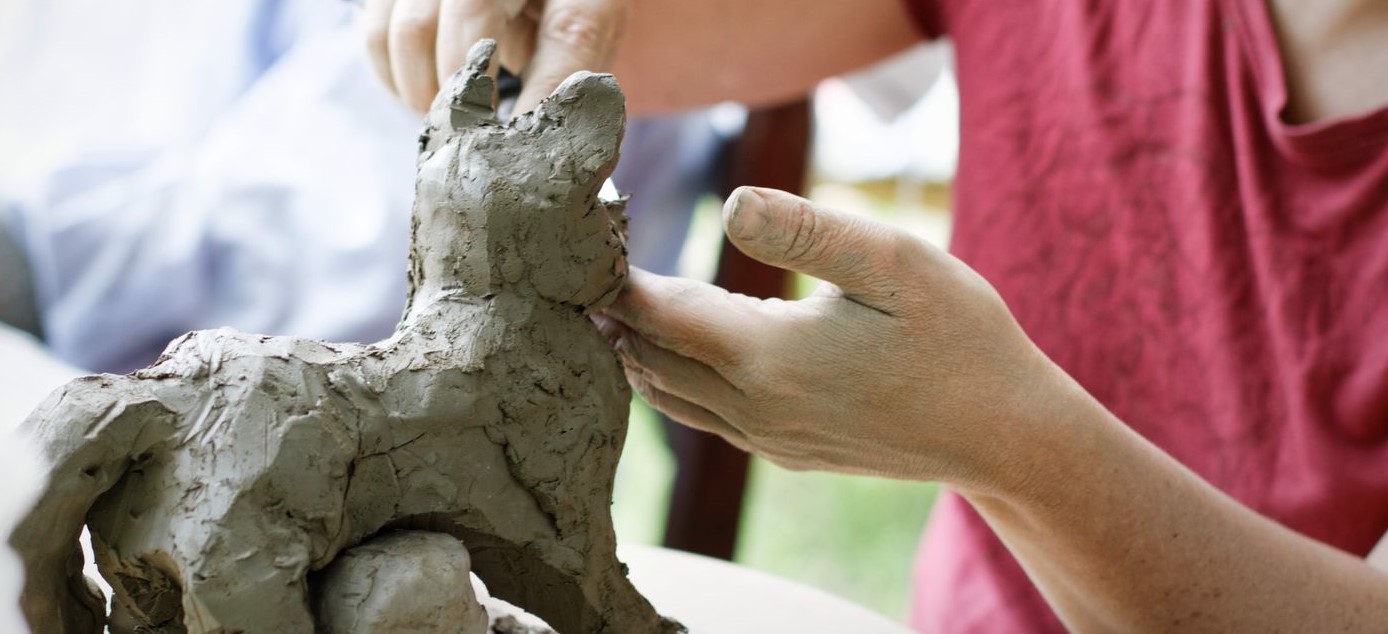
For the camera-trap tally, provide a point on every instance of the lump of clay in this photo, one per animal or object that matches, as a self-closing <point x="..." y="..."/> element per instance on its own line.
<point x="409" y="582"/>
<point x="217" y="479"/>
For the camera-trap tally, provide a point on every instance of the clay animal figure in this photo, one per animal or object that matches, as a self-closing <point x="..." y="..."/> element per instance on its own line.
<point x="220" y="481"/>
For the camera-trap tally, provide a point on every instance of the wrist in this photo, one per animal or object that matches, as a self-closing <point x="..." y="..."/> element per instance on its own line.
<point x="1046" y="434"/>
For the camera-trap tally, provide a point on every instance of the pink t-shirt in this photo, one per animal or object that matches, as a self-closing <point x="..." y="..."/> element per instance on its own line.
<point x="1216" y="276"/>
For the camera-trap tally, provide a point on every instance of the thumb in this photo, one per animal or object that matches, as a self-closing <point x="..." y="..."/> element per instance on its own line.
<point x="863" y="257"/>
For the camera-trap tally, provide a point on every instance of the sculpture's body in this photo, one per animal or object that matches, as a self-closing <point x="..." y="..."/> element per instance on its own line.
<point x="217" y="479"/>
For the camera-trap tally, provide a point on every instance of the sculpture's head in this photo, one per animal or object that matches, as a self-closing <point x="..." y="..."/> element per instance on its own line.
<point x="513" y="207"/>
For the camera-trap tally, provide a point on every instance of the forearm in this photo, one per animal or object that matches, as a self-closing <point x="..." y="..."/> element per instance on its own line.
<point x="678" y="54"/>
<point x="1121" y="537"/>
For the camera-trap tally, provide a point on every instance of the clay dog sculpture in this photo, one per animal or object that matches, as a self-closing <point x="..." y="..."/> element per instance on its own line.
<point x="217" y="481"/>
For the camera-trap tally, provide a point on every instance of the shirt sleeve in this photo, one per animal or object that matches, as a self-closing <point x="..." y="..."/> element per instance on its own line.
<point x="929" y="17"/>
<point x="263" y="223"/>
<point x="17" y="307"/>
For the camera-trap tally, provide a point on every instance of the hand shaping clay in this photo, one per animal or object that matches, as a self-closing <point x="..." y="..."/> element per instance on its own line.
<point x="217" y="479"/>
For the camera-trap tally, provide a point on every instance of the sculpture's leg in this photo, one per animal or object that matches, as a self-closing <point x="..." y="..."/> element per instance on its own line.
<point x="600" y="599"/>
<point x="88" y="431"/>
<point x="407" y="581"/>
<point x="251" y="578"/>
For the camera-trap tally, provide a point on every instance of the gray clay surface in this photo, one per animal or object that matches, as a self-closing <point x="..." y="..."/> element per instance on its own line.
<point x="217" y="479"/>
<point x="407" y="582"/>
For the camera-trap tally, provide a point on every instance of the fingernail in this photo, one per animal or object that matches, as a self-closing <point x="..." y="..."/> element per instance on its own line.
<point x="744" y="215"/>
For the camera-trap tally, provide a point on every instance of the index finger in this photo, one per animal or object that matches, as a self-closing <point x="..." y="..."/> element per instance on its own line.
<point x="572" y="35"/>
<point x="461" y="24"/>
<point x="697" y="320"/>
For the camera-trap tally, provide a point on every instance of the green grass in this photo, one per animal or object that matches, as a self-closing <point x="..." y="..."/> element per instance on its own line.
<point x="853" y="537"/>
<point x="641" y="496"/>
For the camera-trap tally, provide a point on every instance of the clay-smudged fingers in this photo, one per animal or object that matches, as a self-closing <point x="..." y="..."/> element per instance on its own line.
<point x="693" y="319"/>
<point x="572" y="35"/>
<point x="864" y="258"/>
<point x="668" y="371"/>
<point x="685" y="412"/>
<point x="518" y="47"/>
<point x="410" y="45"/>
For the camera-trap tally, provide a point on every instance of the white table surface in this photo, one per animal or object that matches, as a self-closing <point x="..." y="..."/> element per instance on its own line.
<point x="711" y="596"/>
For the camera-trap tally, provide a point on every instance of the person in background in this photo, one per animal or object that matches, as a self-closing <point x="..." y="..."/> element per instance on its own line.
<point x="177" y="166"/>
<point x="1152" y="371"/>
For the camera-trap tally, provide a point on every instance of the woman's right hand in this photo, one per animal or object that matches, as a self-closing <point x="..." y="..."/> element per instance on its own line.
<point x="415" y="45"/>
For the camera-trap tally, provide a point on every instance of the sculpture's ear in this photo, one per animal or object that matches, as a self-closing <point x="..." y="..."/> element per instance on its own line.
<point x="592" y="111"/>
<point x="467" y="99"/>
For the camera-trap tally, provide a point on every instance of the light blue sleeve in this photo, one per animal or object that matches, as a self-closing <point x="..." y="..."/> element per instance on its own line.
<point x="273" y="199"/>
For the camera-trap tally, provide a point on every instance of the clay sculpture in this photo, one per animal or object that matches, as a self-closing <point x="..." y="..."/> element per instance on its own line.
<point x="218" y="481"/>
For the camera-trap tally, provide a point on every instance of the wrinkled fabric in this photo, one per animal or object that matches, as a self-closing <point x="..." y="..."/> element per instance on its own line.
<point x="225" y="164"/>
<point x="1214" y="275"/>
<point x="18" y="309"/>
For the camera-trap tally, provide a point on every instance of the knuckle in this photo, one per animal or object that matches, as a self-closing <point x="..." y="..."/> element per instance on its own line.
<point x="907" y="262"/>
<point x="414" y="26"/>
<point x="469" y="11"/>
<point x="578" y="28"/>
<point x="760" y="396"/>
<point x="904" y="251"/>
<point x="804" y="236"/>
<point x="897" y="257"/>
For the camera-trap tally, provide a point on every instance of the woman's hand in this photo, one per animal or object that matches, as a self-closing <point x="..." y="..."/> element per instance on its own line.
<point x="416" y="45"/>
<point x="905" y="363"/>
